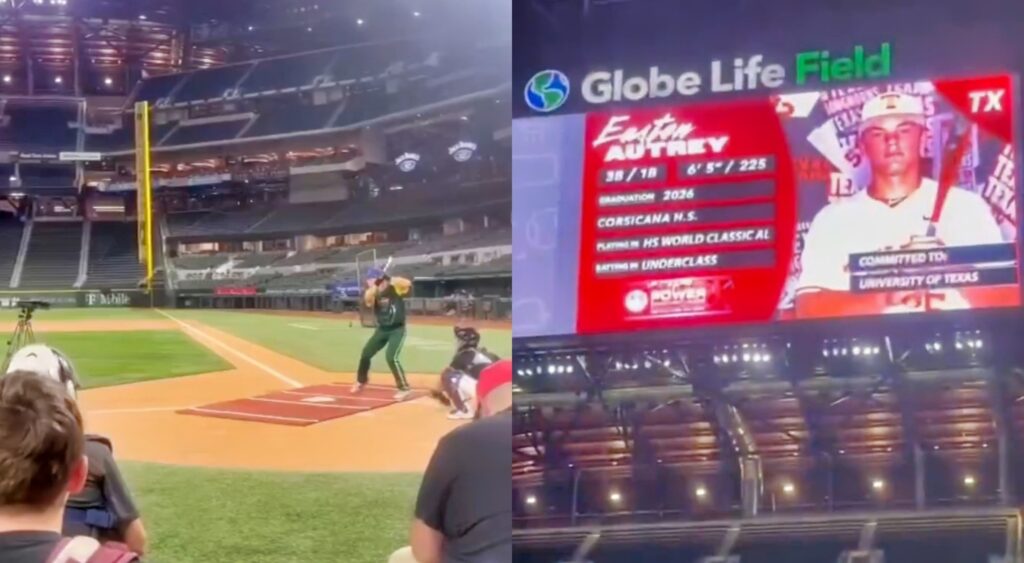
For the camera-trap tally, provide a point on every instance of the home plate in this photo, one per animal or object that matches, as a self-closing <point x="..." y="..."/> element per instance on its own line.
<point x="303" y="406"/>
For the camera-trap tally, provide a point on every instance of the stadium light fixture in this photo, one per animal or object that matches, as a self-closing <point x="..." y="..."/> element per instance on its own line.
<point x="789" y="489"/>
<point x="7" y="79"/>
<point x="108" y="81"/>
<point x="58" y="80"/>
<point x="615" y="497"/>
<point x="878" y="484"/>
<point x="531" y="500"/>
<point x="415" y="14"/>
<point x="701" y="492"/>
<point x="142" y="17"/>
<point x="360" y="21"/>
<point x="969" y="480"/>
<point x="969" y="341"/>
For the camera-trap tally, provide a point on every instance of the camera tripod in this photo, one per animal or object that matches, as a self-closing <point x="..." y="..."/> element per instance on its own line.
<point x="23" y="335"/>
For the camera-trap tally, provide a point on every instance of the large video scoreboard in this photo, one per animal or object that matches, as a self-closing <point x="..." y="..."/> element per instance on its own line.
<point x="878" y="199"/>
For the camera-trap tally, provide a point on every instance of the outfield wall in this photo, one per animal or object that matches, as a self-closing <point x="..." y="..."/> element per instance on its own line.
<point x="84" y="298"/>
<point x="483" y="308"/>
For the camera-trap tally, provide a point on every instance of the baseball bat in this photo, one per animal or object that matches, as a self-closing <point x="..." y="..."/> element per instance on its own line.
<point x="953" y="154"/>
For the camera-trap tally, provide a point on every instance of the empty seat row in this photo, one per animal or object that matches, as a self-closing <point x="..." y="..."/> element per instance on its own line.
<point x="113" y="256"/>
<point x="53" y="256"/>
<point x="291" y="72"/>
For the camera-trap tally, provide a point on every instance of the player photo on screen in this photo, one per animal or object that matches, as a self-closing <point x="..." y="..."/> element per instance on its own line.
<point x="906" y="203"/>
<point x="871" y="200"/>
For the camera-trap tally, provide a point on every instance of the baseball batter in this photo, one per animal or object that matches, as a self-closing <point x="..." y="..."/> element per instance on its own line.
<point x="893" y="212"/>
<point x="386" y="296"/>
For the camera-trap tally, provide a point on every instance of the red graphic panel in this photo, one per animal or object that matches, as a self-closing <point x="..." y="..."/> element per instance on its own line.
<point x="689" y="215"/>
<point x="985" y="101"/>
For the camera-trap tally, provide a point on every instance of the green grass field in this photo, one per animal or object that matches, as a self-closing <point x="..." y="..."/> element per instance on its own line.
<point x="202" y="515"/>
<point x="334" y="345"/>
<point x="115" y="358"/>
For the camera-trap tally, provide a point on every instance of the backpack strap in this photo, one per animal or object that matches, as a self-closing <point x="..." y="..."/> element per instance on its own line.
<point x="84" y="549"/>
<point x="101" y="440"/>
<point x="108" y="553"/>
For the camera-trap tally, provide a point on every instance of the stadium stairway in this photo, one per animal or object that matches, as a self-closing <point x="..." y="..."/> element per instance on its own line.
<point x="10" y="242"/>
<point x="53" y="256"/>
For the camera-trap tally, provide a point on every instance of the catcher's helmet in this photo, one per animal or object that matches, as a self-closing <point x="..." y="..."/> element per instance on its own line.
<point x="467" y="336"/>
<point x="47" y="362"/>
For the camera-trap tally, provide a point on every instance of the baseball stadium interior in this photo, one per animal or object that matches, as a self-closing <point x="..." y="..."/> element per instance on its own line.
<point x="860" y="439"/>
<point x="293" y="144"/>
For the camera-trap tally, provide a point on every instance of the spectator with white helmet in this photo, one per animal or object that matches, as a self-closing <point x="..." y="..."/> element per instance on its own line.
<point x="42" y="463"/>
<point x="103" y="508"/>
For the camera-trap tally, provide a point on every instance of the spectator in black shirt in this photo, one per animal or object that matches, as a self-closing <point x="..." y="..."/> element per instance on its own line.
<point x="42" y="462"/>
<point x="464" y="508"/>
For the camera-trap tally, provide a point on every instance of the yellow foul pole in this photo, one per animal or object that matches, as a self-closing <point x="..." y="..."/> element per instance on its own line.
<point x="145" y="190"/>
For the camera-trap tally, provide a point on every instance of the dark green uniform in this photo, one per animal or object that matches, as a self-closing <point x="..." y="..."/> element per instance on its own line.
<point x="389" y="308"/>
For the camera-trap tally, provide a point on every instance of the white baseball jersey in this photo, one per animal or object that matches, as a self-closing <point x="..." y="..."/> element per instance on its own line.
<point x="861" y="224"/>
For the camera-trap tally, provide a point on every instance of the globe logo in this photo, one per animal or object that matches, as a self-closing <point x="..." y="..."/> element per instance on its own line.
<point x="636" y="301"/>
<point x="547" y="90"/>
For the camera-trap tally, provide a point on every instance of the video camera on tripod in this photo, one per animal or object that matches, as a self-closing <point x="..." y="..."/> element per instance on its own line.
<point x="23" y="334"/>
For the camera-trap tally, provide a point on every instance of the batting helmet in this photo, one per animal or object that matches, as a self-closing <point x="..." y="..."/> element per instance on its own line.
<point x="468" y="337"/>
<point x="43" y="360"/>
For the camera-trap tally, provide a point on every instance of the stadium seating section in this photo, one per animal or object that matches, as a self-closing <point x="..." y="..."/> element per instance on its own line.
<point x="277" y="93"/>
<point x="339" y="216"/>
<point x="206" y="132"/>
<point x="53" y="256"/>
<point x="324" y="265"/>
<point x="113" y="256"/>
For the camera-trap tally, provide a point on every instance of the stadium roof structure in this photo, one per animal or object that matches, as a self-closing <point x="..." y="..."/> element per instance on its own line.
<point x="919" y="413"/>
<point x="111" y="44"/>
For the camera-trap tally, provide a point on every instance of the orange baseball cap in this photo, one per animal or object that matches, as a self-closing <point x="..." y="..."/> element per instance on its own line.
<point x="493" y="376"/>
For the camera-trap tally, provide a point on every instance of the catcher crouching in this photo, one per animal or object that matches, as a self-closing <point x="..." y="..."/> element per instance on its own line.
<point x="459" y="378"/>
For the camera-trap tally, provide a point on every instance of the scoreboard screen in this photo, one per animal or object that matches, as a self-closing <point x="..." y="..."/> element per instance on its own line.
<point x="871" y="200"/>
